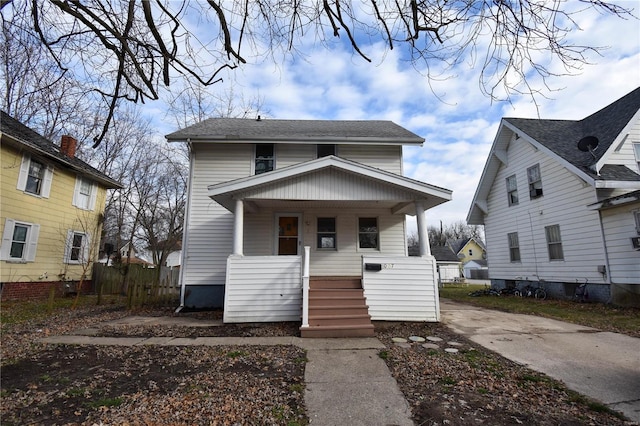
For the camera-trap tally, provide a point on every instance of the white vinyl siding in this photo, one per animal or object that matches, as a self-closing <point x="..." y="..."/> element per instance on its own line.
<point x="404" y="289"/>
<point x="85" y="194"/>
<point x="624" y="152"/>
<point x="263" y="289"/>
<point x="27" y="182"/>
<point x="619" y="226"/>
<point x="19" y="241"/>
<point x="564" y="203"/>
<point x="382" y="157"/>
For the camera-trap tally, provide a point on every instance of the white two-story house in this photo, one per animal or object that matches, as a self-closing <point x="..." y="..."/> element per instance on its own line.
<point x="560" y="203"/>
<point x="288" y="219"/>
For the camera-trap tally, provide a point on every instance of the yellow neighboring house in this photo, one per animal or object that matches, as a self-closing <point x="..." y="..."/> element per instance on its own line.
<point x="52" y="209"/>
<point x="468" y="249"/>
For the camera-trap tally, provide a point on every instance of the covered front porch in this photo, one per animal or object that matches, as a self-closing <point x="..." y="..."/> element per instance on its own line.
<point x="294" y="228"/>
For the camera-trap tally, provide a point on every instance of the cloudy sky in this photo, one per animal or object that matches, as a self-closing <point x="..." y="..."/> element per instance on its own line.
<point x="456" y="119"/>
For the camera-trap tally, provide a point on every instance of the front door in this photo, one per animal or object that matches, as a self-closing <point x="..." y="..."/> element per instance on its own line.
<point x="288" y="234"/>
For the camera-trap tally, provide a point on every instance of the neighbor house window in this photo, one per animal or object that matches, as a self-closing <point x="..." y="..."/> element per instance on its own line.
<point x="512" y="190"/>
<point x="35" y="177"/>
<point x="265" y="158"/>
<point x="368" y="233"/>
<point x="514" y="247"/>
<point x="19" y="240"/>
<point x="535" y="181"/>
<point x="325" y="150"/>
<point x="327" y="233"/>
<point x="84" y="196"/>
<point x="77" y="248"/>
<point x="554" y="242"/>
<point x="636" y="215"/>
<point x="636" y="151"/>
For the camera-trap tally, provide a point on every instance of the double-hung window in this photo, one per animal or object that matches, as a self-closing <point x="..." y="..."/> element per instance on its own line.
<point x="19" y="241"/>
<point x="554" y="242"/>
<point x="264" y="158"/>
<point x="512" y="190"/>
<point x="77" y="248"/>
<point x="535" y="181"/>
<point x="327" y="233"/>
<point x="84" y="195"/>
<point x="368" y="233"/>
<point x="514" y="247"/>
<point x="35" y="177"/>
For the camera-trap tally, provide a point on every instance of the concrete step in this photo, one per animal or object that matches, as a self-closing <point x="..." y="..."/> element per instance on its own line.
<point x="337" y="331"/>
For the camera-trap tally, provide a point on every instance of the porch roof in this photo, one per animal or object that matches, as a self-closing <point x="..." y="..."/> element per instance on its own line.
<point x="330" y="182"/>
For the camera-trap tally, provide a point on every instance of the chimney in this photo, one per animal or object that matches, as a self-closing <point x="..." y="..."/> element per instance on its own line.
<point x="68" y="146"/>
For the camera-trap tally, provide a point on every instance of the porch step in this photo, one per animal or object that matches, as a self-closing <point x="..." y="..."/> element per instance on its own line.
<point x="337" y="308"/>
<point x="335" y="282"/>
<point x="337" y="331"/>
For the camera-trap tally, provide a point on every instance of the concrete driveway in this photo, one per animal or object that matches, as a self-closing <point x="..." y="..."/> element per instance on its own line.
<point x="601" y="365"/>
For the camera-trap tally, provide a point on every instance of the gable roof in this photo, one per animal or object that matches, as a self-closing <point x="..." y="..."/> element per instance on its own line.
<point x="458" y="244"/>
<point x="558" y="139"/>
<point x="226" y="192"/>
<point x="30" y="140"/>
<point x="244" y="130"/>
<point x="562" y="136"/>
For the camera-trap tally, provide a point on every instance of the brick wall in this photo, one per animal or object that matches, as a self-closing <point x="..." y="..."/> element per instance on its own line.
<point x="40" y="289"/>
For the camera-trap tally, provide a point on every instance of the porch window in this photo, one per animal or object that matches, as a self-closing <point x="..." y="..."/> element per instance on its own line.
<point x="327" y="233"/>
<point x="535" y="181"/>
<point x="514" y="247"/>
<point x="512" y="190"/>
<point x="265" y="158"/>
<point x="325" y="150"/>
<point x="368" y="234"/>
<point x="554" y="242"/>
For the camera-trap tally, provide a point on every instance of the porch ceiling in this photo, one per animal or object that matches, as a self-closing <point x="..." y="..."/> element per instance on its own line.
<point x="256" y="205"/>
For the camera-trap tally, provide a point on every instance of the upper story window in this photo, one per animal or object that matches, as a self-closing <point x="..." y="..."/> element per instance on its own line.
<point x="265" y="158"/>
<point x="470" y="252"/>
<point x="535" y="181"/>
<point x="514" y="247"/>
<point x="554" y="242"/>
<point x="636" y="215"/>
<point x="19" y="240"/>
<point x="327" y="233"/>
<point x="325" y="150"/>
<point x="512" y="190"/>
<point x="636" y="151"/>
<point x="35" y="177"/>
<point x="368" y="233"/>
<point x="84" y="195"/>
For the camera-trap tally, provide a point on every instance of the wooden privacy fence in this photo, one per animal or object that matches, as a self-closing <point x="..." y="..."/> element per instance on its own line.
<point x="142" y="286"/>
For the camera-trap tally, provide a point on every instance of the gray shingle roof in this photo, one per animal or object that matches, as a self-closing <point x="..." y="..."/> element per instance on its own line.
<point x="562" y="136"/>
<point x="35" y="142"/>
<point x="243" y="129"/>
<point x="444" y="254"/>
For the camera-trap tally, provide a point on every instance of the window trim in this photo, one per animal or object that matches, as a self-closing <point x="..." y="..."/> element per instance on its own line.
<point x="333" y="234"/>
<point x="77" y="195"/>
<point x="514" y="247"/>
<point x="377" y="233"/>
<point x="23" y="177"/>
<point x="547" y="232"/>
<point x="636" y="153"/>
<point x="513" y="191"/>
<point x="636" y="216"/>
<point x="533" y="184"/>
<point x="84" y="246"/>
<point x="255" y="158"/>
<point x="31" y="241"/>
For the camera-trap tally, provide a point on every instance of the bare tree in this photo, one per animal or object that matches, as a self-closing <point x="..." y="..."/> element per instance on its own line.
<point x="129" y="50"/>
<point x="453" y="231"/>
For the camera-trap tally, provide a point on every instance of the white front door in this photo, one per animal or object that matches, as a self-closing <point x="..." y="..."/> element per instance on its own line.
<point x="288" y="234"/>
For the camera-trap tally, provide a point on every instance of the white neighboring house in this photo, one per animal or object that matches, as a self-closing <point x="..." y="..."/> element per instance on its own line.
<point x="560" y="206"/>
<point x="262" y="191"/>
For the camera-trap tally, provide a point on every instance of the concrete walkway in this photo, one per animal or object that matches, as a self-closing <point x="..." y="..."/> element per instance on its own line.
<point x="347" y="383"/>
<point x="601" y="365"/>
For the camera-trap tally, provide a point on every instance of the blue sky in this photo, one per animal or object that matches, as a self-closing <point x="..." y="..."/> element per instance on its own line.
<point x="456" y="119"/>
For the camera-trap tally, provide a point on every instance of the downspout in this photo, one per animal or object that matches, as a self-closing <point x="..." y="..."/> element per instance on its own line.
<point x="185" y="229"/>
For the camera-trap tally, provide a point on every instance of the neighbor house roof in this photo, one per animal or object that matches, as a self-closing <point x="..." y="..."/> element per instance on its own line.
<point x="559" y="139"/>
<point x="22" y="136"/>
<point x="458" y="244"/>
<point x="444" y="254"/>
<point x="243" y="130"/>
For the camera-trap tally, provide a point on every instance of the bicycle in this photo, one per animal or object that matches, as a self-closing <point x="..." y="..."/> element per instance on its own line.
<point x="536" y="292"/>
<point x="487" y="291"/>
<point x="581" y="294"/>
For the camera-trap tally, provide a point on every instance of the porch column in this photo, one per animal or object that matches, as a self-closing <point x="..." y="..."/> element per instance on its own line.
<point x="238" y="228"/>
<point x="423" y="235"/>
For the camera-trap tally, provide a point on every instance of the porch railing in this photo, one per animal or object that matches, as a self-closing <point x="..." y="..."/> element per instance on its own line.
<point x="305" y="286"/>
